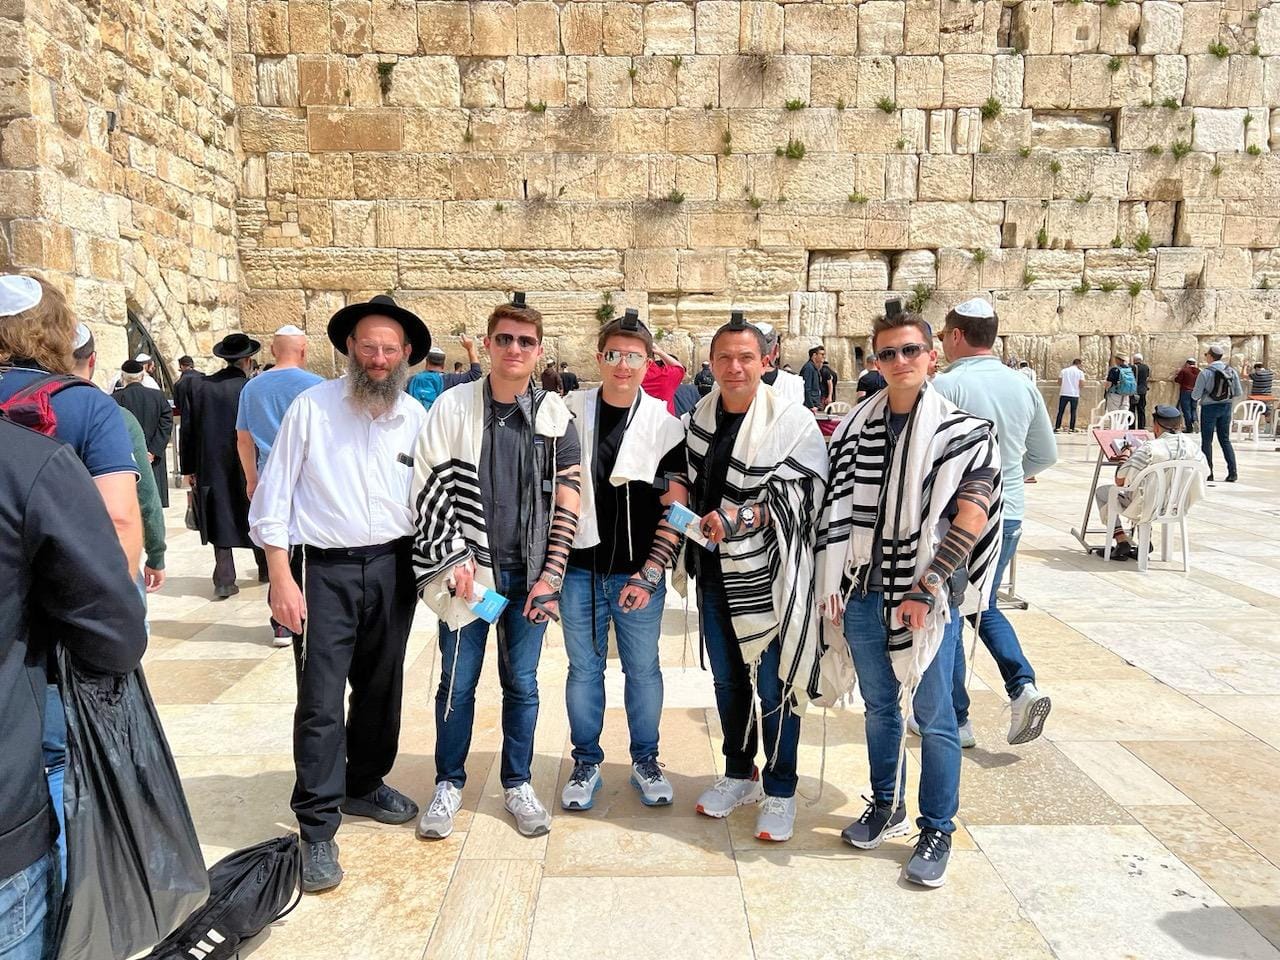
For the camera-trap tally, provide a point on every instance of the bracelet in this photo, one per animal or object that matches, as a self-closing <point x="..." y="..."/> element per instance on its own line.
<point x="730" y="526"/>
<point x="922" y="596"/>
<point x="636" y="580"/>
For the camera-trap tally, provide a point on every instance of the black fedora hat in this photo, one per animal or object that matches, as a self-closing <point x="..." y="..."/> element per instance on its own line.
<point x="236" y="346"/>
<point x="344" y="321"/>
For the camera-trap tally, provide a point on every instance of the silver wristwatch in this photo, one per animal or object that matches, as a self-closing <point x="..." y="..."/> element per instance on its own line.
<point x="747" y="518"/>
<point x="933" y="581"/>
<point x="553" y="580"/>
<point x="652" y="575"/>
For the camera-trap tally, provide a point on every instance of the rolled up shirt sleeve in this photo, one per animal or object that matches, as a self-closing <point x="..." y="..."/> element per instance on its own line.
<point x="272" y="507"/>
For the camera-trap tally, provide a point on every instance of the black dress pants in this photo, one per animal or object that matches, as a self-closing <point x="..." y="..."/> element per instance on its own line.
<point x="1138" y="405"/>
<point x="359" y="611"/>
<point x="295" y="568"/>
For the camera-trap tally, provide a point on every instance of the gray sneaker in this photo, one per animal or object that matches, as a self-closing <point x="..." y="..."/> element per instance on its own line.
<point x="877" y="824"/>
<point x="584" y="783"/>
<point x="1029" y="711"/>
<point x="437" y="821"/>
<point x="967" y="739"/>
<point x="655" y="788"/>
<point x="928" y="865"/>
<point x="776" y="818"/>
<point x="532" y="819"/>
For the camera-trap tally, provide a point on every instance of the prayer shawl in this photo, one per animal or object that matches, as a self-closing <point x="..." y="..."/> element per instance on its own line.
<point x="789" y="386"/>
<point x="909" y="495"/>
<point x="650" y="432"/>
<point x="779" y="457"/>
<point x="446" y="493"/>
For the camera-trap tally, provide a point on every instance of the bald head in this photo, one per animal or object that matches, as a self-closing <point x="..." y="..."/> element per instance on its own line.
<point x="289" y="350"/>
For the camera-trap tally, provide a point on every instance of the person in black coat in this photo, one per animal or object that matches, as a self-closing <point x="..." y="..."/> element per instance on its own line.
<point x="211" y="463"/>
<point x="156" y="417"/>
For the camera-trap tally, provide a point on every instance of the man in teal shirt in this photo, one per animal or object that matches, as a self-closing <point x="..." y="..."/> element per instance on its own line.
<point x="978" y="381"/>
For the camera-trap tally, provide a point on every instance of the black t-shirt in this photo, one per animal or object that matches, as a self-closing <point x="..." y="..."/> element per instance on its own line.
<point x="619" y="552"/>
<point x="769" y="377"/>
<point x="870" y="382"/>
<point x="710" y="486"/>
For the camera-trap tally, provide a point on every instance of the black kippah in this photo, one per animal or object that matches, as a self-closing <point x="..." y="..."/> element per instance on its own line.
<point x="518" y="300"/>
<point x="737" y="320"/>
<point x="630" y="320"/>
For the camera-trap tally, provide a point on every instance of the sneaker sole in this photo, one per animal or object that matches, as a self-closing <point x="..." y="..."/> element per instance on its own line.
<point x="313" y="888"/>
<point x="1036" y="717"/>
<point x="657" y="802"/>
<point x="721" y="816"/>
<point x="888" y="833"/>
<point x="370" y="812"/>
<point x="772" y="838"/>
<point x="591" y="801"/>
<point x="433" y="834"/>
<point x="920" y="881"/>
<point x="540" y="830"/>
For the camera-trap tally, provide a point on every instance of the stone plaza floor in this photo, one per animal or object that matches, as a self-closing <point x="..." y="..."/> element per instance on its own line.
<point x="1142" y="825"/>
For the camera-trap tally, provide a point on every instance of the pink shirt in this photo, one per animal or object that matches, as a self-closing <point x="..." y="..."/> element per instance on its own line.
<point x="661" y="381"/>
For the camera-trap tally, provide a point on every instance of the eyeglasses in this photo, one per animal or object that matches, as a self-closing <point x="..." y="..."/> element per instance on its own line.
<point x="370" y="350"/>
<point x="634" y="361"/>
<point x="503" y="340"/>
<point x="909" y="351"/>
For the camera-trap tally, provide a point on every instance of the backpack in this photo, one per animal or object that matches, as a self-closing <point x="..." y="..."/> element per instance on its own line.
<point x="1220" y="391"/>
<point x="30" y="406"/>
<point x="425" y="387"/>
<point x="248" y="891"/>
<point x="1127" y="384"/>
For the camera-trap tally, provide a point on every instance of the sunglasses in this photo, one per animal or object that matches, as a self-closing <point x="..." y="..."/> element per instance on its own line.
<point x="634" y="361"/>
<point x="504" y="340"/>
<point x="909" y="351"/>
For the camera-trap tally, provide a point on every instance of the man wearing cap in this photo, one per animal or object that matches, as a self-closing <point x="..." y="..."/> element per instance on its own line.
<point x="1168" y="444"/>
<point x="263" y="403"/>
<point x="496" y="491"/>
<point x="1217" y="389"/>
<point x="155" y="415"/>
<point x="704" y="379"/>
<point x="1185" y="377"/>
<point x="978" y="383"/>
<point x="433" y="381"/>
<point x="209" y="461"/>
<point x="1122" y="385"/>
<point x="337" y="481"/>
<point x="787" y="385"/>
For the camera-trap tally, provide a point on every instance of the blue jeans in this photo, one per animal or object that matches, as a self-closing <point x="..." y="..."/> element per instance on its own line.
<point x="589" y="602"/>
<point x="997" y="635"/>
<point x="54" y="745"/>
<point x="1216" y="418"/>
<point x="1063" y="403"/>
<point x="1187" y="404"/>
<point x="461" y="659"/>
<point x="735" y="701"/>
<point x="28" y="917"/>
<point x="868" y="638"/>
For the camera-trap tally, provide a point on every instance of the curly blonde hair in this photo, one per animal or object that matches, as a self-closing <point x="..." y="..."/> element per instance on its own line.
<point x="45" y="333"/>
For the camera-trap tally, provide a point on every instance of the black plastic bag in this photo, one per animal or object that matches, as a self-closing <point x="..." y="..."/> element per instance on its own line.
<point x="134" y="867"/>
<point x="248" y="890"/>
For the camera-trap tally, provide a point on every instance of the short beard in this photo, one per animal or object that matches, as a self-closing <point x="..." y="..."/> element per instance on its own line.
<point x="376" y="394"/>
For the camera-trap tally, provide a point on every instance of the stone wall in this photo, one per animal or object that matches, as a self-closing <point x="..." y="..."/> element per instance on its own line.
<point x="118" y="171"/>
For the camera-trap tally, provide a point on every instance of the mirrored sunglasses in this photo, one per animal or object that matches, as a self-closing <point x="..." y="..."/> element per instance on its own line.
<point x="634" y="361"/>
<point x="504" y="340"/>
<point x="909" y="351"/>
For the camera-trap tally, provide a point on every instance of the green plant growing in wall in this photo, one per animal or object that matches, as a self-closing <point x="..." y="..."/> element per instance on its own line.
<point x="708" y="105"/>
<point x="1116" y="242"/>
<point x="1170" y="103"/>
<point x="1143" y="242"/>
<point x="1113" y="3"/>
<point x="1248" y="119"/>
<point x="675" y="196"/>
<point x="1220" y="50"/>
<point x="604" y="312"/>
<point x="990" y="109"/>
<point x="1081" y="288"/>
<point x="857" y="197"/>
<point x="887" y="104"/>
<point x="796" y="104"/>
<point x="1155" y="150"/>
<point x="499" y="206"/>
<point x="385" y="69"/>
<point x="539" y="107"/>
<point x="1024" y="152"/>
<point x="921" y="294"/>
<point x="979" y="255"/>
<point x="1253" y="150"/>
<point x="1042" y="238"/>
<point x="1180" y="149"/>
<point x="901" y="143"/>
<point x="1028" y="278"/>
<point x="677" y="62"/>
<point x="1084" y="197"/>
<point x="1114" y="64"/>
<point x="1109" y="286"/>
<point x="1055" y="167"/>
<point x="839" y="103"/>
<point x="631" y="72"/>
<point x="1135" y="288"/>
<point x="1216" y="170"/>
<point x="794" y="149"/>
<point x="756" y="202"/>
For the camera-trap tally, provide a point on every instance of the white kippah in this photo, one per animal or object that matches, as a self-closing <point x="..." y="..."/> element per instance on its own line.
<point x="18" y="294"/>
<point x="82" y="336"/>
<point x="977" y="308"/>
<point x="290" y="330"/>
<point x="142" y="358"/>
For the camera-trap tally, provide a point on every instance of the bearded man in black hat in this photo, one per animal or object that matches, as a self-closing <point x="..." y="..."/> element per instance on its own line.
<point x="337" y="482"/>
<point x="211" y="464"/>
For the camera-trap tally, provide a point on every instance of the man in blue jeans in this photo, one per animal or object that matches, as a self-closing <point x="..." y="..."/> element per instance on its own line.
<point x="633" y="466"/>
<point x="977" y="382"/>
<point x="909" y="533"/>
<point x="496" y="496"/>
<point x="1217" y="389"/>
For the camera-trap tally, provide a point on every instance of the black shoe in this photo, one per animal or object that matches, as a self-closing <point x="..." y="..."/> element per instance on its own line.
<point x="1123" y="550"/>
<point x="1210" y="480"/>
<point x="928" y="865"/>
<point x="1231" y="478"/>
<point x="384" y="805"/>
<point x="221" y="593"/>
<point x="320" y="867"/>
<point x="877" y="824"/>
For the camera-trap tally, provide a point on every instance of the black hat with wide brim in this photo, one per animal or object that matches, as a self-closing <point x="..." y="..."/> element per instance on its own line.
<point x="345" y="320"/>
<point x="236" y="346"/>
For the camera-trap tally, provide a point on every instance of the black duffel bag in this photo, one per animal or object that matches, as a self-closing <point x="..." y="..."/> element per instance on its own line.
<point x="134" y="866"/>
<point x="248" y="890"/>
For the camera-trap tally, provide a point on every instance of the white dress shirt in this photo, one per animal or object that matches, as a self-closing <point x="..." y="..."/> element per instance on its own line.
<point x="335" y="476"/>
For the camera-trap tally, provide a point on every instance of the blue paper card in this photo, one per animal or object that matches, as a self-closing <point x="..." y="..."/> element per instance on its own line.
<point x="686" y="521"/>
<point x="488" y="606"/>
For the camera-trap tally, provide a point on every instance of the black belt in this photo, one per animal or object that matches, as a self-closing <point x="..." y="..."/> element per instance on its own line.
<point x="356" y="553"/>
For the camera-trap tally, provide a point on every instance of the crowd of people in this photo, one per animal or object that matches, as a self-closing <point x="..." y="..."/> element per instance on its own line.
<point x="509" y="500"/>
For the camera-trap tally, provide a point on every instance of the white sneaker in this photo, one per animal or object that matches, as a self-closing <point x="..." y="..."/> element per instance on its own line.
<point x="967" y="739"/>
<point x="437" y="822"/>
<point x="532" y="819"/>
<point x="584" y="783"/>
<point x="776" y="818"/>
<point x="655" y="788"/>
<point x="1029" y="712"/>
<point x="728" y="794"/>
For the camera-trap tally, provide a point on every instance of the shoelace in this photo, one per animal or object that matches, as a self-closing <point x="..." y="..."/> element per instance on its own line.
<point x="931" y="845"/>
<point x="726" y="785"/>
<point x="440" y="805"/>
<point x="582" y="773"/>
<point x="319" y="851"/>
<point x="650" y="770"/>
<point x="776" y="805"/>
<point x="868" y="813"/>
<point x="527" y="799"/>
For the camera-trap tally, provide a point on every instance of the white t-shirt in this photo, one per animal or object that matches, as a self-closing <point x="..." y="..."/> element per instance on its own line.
<point x="1071" y="378"/>
<point x="1028" y="372"/>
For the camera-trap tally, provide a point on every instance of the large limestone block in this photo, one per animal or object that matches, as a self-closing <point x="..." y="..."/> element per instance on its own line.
<point x="1142" y="127"/>
<point x="1168" y="78"/>
<point x="716" y="26"/>
<point x="1118" y="27"/>
<point x="623" y="29"/>
<point x="761" y="27"/>
<point x="1179" y="267"/>
<point x="355" y="223"/>
<point x="580" y="29"/>
<point x="1219" y="130"/>
<point x="654" y="269"/>
<point x="955" y="224"/>
<point x="920" y="27"/>
<point x="1006" y="81"/>
<point x="1173" y="311"/>
<point x="511" y="269"/>
<point x="1032" y="26"/>
<point x="1228" y="267"/>
<point x="339" y="129"/>
<point x="1246" y="176"/>
<point x="537" y="28"/>
<point x="1201" y="223"/>
<point x="914" y="268"/>
<point x="609" y="82"/>
<point x="834" y="79"/>
<point x="752" y="272"/>
<point x="1091" y="80"/>
<point x="1091" y="223"/>
<point x="1252" y="223"/>
<point x="1208" y="80"/>
<point x="1246" y="84"/>
<point x="946" y="177"/>
<point x="966" y="79"/>
<point x="395" y="26"/>
<point x="1027" y="311"/>
<point x="876" y="81"/>
<point x="1160" y="30"/>
<point x="880" y="27"/>
<point x="1122" y="266"/>
<point x="969" y="27"/>
<point x="320" y="175"/>
<point x="1096" y="313"/>
<point x="1248" y="312"/>
<point x="857" y="310"/>
<point x="309" y="30"/>
<point x="668" y="28"/>
<point x="1046" y="82"/>
<point x="1075" y="27"/>
<point x="484" y="83"/>
<point x="819" y="29"/>
<point x="812" y="315"/>
<point x="425" y="82"/>
<point x="1070" y="131"/>
<point x="263" y="129"/>
<point x="444" y="26"/>
<point x="351" y="26"/>
<point x="997" y="177"/>
<point x="493" y="29"/>
<point x="853" y="270"/>
<point x="1053" y="269"/>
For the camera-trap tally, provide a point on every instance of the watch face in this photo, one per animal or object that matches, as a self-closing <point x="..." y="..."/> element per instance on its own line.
<point x="932" y="579"/>
<point x="652" y="575"/>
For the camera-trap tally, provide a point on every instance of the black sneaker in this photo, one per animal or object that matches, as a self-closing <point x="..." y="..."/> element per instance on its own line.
<point x="876" y="825"/>
<point x="1123" y="550"/>
<point x="320" y="867"/>
<point x="928" y="865"/>
<point x="384" y="805"/>
<point x="1231" y="478"/>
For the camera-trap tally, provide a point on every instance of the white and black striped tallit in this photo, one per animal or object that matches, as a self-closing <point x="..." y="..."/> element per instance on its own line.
<point x="779" y="457"/>
<point x="905" y="495"/>
<point x="445" y="495"/>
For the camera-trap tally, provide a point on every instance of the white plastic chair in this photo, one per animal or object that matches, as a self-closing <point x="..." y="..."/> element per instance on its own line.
<point x="1246" y="417"/>
<point x="837" y="408"/>
<point x="1161" y="491"/>
<point x="1095" y="416"/>
<point x="1115" y="420"/>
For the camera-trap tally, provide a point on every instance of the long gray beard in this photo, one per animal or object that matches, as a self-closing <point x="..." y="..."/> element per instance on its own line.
<point x="373" y="394"/>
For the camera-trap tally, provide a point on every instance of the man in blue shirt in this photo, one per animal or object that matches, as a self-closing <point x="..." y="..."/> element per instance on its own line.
<point x="263" y="403"/>
<point x="1217" y="388"/>
<point x="811" y="373"/>
<point x="978" y="382"/>
<point x="433" y="381"/>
